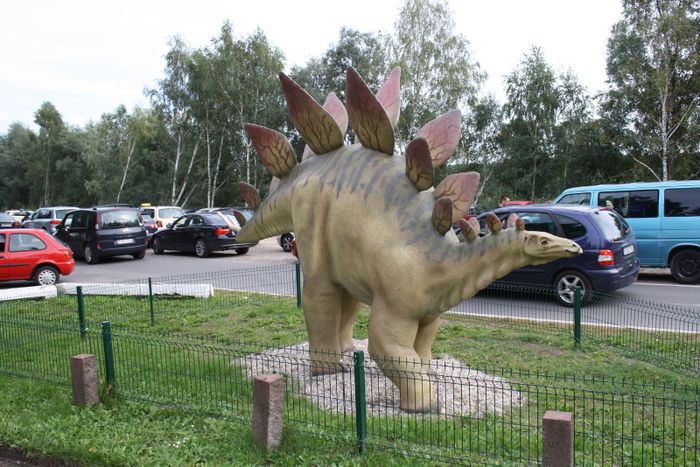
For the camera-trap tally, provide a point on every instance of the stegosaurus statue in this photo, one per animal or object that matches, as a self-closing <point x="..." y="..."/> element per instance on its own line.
<point x="371" y="229"/>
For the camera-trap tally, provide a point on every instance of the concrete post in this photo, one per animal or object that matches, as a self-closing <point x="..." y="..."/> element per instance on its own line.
<point x="83" y="369"/>
<point x="268" y="405"/>
<point x="557" y="439"/>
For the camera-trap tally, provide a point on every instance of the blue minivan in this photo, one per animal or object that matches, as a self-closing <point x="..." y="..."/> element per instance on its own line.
<point x="665" y="217"/>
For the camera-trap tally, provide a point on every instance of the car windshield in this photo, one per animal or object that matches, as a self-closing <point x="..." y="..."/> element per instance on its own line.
<point x="171" y="212"/>
<point x="6" y="218"/>
<point x="614" y="227"/>
<point x="119" y="219"/>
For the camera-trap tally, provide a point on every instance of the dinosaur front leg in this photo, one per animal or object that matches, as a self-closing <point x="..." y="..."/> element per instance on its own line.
<point x="322" y="316"/>
<point x="391" y="340"/>
<point x="350" y="307"/>
<point x="427" y="329"/>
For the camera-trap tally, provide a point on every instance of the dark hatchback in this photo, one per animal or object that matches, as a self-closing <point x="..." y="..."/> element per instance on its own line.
<point x="200" y="233"/>
<point x="103" y="231"/>
<point x="609" y="260"/>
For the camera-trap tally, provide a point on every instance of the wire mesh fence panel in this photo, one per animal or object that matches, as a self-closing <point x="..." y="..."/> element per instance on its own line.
<point x="42" y="351"/>
<point x="463" y="415"/>
<point x="59" y="309"/>
<point x="481" y="417"/>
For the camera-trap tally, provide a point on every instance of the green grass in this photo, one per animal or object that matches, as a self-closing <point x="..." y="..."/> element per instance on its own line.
<point x="184" y="363"/>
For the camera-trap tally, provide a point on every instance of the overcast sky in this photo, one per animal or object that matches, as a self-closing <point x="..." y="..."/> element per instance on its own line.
<point x="87" y="57"/>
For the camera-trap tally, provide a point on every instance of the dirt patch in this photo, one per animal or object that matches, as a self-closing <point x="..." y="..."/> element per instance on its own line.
<point x="10" y="456"/>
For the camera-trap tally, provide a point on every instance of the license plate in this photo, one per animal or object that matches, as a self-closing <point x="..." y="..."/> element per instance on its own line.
<point x="628" y="250"/>
<point x="124" y="241"/>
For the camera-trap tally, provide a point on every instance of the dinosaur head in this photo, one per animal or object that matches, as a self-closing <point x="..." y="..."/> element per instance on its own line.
<point x="541" y="247"/>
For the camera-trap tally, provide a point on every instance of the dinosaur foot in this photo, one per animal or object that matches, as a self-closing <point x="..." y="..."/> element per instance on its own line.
<point x="327" y="369"/>
<point x="428" y="408"/>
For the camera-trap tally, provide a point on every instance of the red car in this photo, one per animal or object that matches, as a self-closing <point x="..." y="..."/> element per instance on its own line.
<point x="33" y="254"/>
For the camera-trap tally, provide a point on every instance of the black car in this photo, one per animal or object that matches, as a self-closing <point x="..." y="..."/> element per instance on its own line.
<point x="201" y="233"/>
<point x="103" y="231"/>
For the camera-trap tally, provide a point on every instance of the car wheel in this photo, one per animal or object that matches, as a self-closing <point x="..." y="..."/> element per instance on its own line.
<point x="46" y="275"/>
<point x="286" y="242"/>
<point x="200" y="248"/>
<point x="241" y="251"/>
<point x="139" y="255"/>
<point x="566" y="284"/>
<point x="685" y="266"/>
<point x="157" y="246"/>
<point x="89" y="255"/>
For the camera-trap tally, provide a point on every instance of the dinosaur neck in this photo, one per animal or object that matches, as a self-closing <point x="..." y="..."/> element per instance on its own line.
<point x="477" y="264"/>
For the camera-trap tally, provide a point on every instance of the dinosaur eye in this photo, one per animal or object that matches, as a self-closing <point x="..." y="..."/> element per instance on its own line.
<point x="544" y="242"/>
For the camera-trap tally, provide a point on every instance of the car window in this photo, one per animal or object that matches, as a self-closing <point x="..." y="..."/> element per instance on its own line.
<point x="80" y="219"/>
<point x="43" y="214"/>
<point x="632" y="204"/>
<point x="6" y="218"/>
<point x="576" y="198"/>
<point x="2" y="243"/>
<point x="571" y="227"/>
<point x="26" y="242"/>
<point x="196" y="221"/>
<point x="181" y="222"/>
<point x="68" y="220"/>
<point x="148" y="212"/>
<point x="229" y="219"/>
<point x="61" y="213"/>
<point x="682" y="202"/>
<point x="538" y="222"/>
<point x="171" y="212"/>
<point x="614" y="227"/>
<point x="120" y="218"/>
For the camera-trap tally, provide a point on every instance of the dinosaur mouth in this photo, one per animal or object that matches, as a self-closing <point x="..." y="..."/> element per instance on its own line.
<point x="574" y="249"/>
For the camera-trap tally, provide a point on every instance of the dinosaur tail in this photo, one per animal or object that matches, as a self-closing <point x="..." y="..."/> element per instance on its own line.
<point x="272" y="217"/>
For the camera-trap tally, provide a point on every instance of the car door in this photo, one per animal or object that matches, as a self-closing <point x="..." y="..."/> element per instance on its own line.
<point x="78" y="231"/>
<point x="173" y="236"/>
<point x="39" y="219"/>
<point x="24" y="251"/>
<point x="63" y="231"/>
<point x="4" y="260"/>
<point x="640" y="208"/>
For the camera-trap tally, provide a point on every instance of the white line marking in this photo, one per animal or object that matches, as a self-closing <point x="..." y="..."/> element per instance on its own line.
<point x="665" y="284"/>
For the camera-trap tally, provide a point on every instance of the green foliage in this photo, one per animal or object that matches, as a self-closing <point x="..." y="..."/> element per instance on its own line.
<point x="654" y="95"/>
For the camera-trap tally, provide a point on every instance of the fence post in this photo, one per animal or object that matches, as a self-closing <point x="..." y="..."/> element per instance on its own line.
<point x="81" y="311"/>
<point x="109" y="353"/>
<point x="360" y="401"/>
<point x="150" y="301"/>
<point x="577" y="316"/>
<point x="297" y="274"/>
<point x="557" y="439"/>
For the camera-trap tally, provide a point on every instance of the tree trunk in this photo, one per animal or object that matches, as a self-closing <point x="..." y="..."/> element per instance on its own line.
<point x="132" y="147"/>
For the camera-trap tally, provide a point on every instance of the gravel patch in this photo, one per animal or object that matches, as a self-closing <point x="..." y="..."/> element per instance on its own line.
<point x="459" y="390"/>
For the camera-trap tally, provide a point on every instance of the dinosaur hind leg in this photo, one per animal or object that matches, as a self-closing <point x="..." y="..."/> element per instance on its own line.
<point x="391" y="340"/>
<point x="349" y="307"/>
<point x="322" y="305"/>
<point x="427" y="329"/>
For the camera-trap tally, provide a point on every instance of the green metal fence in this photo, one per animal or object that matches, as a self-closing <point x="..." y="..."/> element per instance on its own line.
<point x="485" y="416"/>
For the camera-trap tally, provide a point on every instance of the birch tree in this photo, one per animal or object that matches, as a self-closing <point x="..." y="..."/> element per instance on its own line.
<point x="654" y="73"/>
